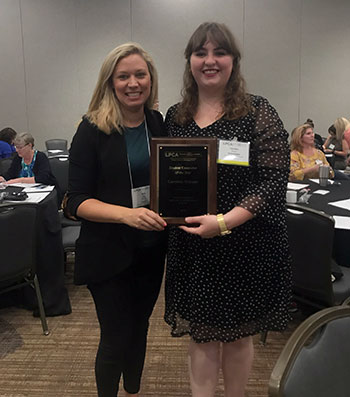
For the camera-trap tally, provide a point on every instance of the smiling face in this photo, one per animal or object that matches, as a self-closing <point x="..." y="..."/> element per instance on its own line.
<point x="211" y="67"/>
<point x="132" y="82"/>
<point x="308" y="138"/>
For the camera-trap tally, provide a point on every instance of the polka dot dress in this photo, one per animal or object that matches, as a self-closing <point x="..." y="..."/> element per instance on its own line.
<point x="226" y="288"/>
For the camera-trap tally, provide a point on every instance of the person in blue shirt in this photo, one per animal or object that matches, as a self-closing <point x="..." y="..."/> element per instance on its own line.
<point x="7" y="137"/>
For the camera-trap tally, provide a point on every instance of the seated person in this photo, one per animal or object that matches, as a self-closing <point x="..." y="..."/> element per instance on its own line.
<point x="28" y="165"/>
<point x="318" y="138"/>
<point x="336" y="145"/>
<point x="7" y="137"/>
<point x="343" y="123"/>
<point x="305" y="159"/>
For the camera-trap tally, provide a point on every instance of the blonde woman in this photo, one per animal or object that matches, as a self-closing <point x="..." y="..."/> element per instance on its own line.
<point x="337" y="145"/>
<point x="343" y="124"/>
<point x="305" y="159"/>
<point x="121" y="249"/>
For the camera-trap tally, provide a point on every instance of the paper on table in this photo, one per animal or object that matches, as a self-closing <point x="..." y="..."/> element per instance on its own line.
<point x="296" y="186"/>
<point x="330" y="182"/>
<point x="32" y="198"/>
<point x="39" y="189"/>
<point x="36" y="197"/>
<point x="342" y="222"/>
<point x="345" y="204"/>
<point x="24" y="185"/>
<point x="34" y="187"/>
<point x="320" y="191"/>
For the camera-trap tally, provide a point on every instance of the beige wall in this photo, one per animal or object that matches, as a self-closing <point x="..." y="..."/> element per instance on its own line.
<point x="295" y="52"/>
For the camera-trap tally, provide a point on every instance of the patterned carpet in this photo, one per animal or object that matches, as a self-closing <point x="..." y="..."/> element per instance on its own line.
<point x="61" y="364"/>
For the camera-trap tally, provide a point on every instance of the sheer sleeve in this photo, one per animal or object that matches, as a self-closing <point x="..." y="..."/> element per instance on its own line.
<point x="269" y="158"/>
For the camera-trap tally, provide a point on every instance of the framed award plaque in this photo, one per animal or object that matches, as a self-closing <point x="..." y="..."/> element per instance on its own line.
<point x="183" y="177"/>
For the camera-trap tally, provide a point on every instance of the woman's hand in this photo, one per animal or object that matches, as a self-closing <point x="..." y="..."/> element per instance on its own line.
<point x="208" y="226"/>
<point x="2" y="179"/>
<point x="315" y="168"/>
<point x="16" y="180"/>
<point x="144" y="219"/>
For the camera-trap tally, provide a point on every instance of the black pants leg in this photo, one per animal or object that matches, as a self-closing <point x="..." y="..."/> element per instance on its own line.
<point x="124" y="305"/>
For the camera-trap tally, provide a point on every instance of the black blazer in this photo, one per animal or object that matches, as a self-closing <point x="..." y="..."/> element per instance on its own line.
<point x="98" y="168"/>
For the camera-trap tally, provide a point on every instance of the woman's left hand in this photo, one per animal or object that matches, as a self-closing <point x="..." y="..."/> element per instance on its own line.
<point x="208" y="226"/>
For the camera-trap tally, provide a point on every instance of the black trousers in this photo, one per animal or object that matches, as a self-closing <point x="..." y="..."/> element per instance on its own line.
<point x="124" y="306"/>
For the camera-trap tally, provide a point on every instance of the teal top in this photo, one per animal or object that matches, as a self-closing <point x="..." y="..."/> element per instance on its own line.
<point x="137" y="147"/>
<point x="27" y="169"/>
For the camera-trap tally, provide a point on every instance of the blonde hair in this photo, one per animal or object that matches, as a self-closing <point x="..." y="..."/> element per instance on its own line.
<point x="297" y="135"/>
<point x="236" y="101"/>
<point x="341" y="124"/>
<point x="24" y="139"/>
<point x="104" y="109"/>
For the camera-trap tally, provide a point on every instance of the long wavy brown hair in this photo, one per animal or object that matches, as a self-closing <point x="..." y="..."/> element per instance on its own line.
<point x="236" y="102"/>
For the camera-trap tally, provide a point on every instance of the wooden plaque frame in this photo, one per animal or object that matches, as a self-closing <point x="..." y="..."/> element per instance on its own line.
<point x="182" y="160"/>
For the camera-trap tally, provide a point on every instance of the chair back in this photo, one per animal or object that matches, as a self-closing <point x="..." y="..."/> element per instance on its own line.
<point x="56" y="144"/>
<point x="317" y="367"/>
<point x="5" y="165"/>
<point x="59" y="168"/>
<point x="310" y="234"/>
<point x="18" y="247"/>
<point x="17" y="241"/>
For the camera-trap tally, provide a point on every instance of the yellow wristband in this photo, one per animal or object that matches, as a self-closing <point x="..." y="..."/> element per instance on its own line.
<point x="222" y="225"/>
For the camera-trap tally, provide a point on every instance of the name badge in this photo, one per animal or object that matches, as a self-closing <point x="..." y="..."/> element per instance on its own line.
<point x="318" y="162"/>
<point x="233" y="152"/>
<point x="140" y="196"/>
<point x="331" y="146"/>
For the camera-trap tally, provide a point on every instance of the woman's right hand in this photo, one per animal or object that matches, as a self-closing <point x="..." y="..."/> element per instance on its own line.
<point x="2" y="179"/>
<point x="144" y="219"/>
<point x="313" y="169"/>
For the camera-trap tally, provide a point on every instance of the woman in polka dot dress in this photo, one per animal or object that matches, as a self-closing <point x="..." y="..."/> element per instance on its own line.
<point x="229" y="278"/>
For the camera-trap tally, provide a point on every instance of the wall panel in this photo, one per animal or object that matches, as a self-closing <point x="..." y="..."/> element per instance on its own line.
<point x="50" y="67"/>
<point x="164" y="28"/>
<point x="101" y="26"/>
<point x="271" y="54"/>
<point x="325" y="62"/>
<point x="12" y="84"/>
<point x="295" y="52"/>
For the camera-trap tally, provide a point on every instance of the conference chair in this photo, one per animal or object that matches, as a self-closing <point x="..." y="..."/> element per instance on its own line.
<point x="69" y="236"/>
<point x="18" y="237"/>
<point x="310" y="235"/>
<point x="56" y="144"/>
<point x="5" y="164"/>
<point x="70" y="228"/>
<point x="315" y="361"/>
<point x="59" y="167"/>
